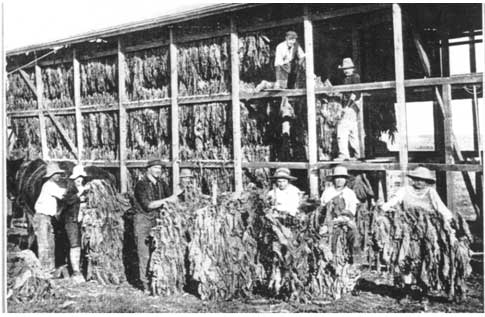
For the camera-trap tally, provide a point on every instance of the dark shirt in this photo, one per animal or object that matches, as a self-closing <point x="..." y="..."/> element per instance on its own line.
<point x="71" y="203"/>
<point x="348" y="80"/>
<point x="146" y="192"/>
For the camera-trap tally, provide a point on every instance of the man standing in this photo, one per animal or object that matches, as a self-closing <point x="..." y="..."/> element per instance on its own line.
<point x="347" y="128"/>
<point x="289" y="55"/>
<point x="150" y="192"/>
<point x="45" y="210"/>
<point x="284" y="197"/>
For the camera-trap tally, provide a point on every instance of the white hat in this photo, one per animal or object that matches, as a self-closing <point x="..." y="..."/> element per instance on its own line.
<point x="421" y="172"/>
<point x="283" y="172"/>
<point x="347" y="63"/>
<point x="78" y="171"/>
<point x="340" y="171"/>
<point x="53" y="168"/>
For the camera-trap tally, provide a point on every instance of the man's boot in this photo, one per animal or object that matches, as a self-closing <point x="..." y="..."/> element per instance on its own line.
<point x="75" y="257"/>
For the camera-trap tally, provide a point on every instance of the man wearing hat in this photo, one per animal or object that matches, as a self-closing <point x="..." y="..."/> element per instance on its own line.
<point x="150" y="192"/>
<point x="45" y="210"/>
<point x="289" y="55"/>
<point x="284" y="197"/>
<point x="74" y="202"/>
<point x="347" y="128"/>
<point x="338" y="189"/>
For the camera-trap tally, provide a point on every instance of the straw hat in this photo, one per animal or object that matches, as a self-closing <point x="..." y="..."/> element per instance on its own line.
<point x="340" y="171"/>
<point x="422" y="173"/>
<point x="283" y="172"/>
<point x="53" y="168"/>
<point x="78" y="171"/>
<point x="154" y="162"/>
<point x="347" y="63"/>
<point x="185" y="172"/>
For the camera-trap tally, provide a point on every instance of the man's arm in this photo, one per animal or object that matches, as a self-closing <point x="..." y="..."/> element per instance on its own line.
<point x="396" y="199"/>
<point x="279" y="55"/>
<point x="141" y="195"/>
<point x="439" y="205"/>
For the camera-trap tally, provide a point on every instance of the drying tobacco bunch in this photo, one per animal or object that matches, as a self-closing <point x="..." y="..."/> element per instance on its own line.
<point x="99" y="82"/>
<point x="100" y="137"/>
<point x="19" y="95"/>
<point x="58" y="86"/>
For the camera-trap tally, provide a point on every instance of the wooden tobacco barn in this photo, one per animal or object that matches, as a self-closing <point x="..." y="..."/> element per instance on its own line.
<point x="182" y="88"/>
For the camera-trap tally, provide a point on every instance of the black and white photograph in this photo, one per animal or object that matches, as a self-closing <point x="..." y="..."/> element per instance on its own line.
<point x="270" y="157"/>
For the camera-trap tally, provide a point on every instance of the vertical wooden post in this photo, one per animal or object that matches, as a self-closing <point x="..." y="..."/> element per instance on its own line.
<point x="122" y="116"/>
<point x="39" y="86"/>
<point x="356" y="59"/>
<point x="310" y="101"/>
<point x="77" y="105"/>
<point x="236" y="109"/>
<point x="400" y="90"/>
<point x="174" y="112"/>
<point x="448" y="132"/>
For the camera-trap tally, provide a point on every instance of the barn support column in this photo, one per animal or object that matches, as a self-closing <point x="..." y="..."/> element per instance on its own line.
<point x="122" y="116"/>
<point x="39" y="86"/>
<point x="236" y="109"/>
<point x="448" y="131"/>
<point x="77" y="105"/>
<point x="174" y="112"/>
<point x="356" y="59"/>
<point x="400" y="90"/>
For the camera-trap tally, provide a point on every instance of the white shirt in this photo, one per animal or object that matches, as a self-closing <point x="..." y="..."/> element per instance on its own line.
<point x="347" y="194"/>
<point x="287" y="200"/>
<point x="46" y="203"/>
<point x="284" y="53"/>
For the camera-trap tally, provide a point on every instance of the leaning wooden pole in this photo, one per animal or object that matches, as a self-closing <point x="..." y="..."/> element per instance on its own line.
<point x="310" y="101"/>
<point x="174" y="112"/>
<point x="400" y="90"/>
<point x="77" y="105"/>
<point x="122" y="116"/>
<point x="39" y="85"/>
<point x="236" y="109"/>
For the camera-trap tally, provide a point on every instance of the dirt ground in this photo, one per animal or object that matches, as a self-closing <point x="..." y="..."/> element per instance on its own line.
<point x="377" y="295"/>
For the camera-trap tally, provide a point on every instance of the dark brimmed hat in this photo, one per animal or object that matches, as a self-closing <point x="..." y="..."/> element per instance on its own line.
<point x="422" y="173"/>
<point x="283" y="172"/>
<point x="291" y="35"/>
<point x="154" y="162"/>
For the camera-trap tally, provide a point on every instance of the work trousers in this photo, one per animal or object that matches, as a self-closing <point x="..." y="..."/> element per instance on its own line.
<point x="44" y="233"/>
<point x="348" y="134"/>
<point x="285" y="77"/>
<point x="141" y="227"/>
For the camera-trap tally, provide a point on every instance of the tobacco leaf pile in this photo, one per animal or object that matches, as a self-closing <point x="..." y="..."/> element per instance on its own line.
<point x="206" y="178"/>
<point x="58" y="86"/>
<point x="204" y="67"/>
<point x="418" y="241"/>
<point x="205" y="132"/>
<point x="19" y="95"/>
<point x="58" y="147"/>
<point x="100" y="134"/>
<point x="149" y="133"/>
<point x="26" y="279"/>
<point x="28" y="140"/>
<point x="148" y="75"/>
<point x="102" y="233"/>
<point x="99" y="81"/>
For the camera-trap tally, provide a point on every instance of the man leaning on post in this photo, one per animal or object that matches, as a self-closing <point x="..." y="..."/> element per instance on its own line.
<point x="150" y="192"/>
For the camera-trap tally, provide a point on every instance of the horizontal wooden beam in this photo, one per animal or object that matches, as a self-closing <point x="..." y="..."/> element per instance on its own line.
<point x="349" y="11"/>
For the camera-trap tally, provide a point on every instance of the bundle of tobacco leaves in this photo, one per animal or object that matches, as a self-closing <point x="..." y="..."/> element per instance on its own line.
<point x="148" y="75"/>
<point x="203" y="67"/>
<point x="223" y="250"/>
<point x="329" y="110"/>
<point x="58" y="86"/>
<point x="149" y="133"/>
<point x="19" y="95"/>
<point x="256" y="178"/>
<point x="205" y="132"/>
<point x="167" y="270"/>
<point x="99" y="81"/>
<point x="307" y="258"/>
<point x="27" y="134"/>
<point x="102" y="233"/>
<point x="420" y="242"/>
<point x="100" y="133"/>
<point x="208" y="178"/>
<point x="57" y="145"/>
<point x="26" y="279"/>
<point x="256" y="57"/>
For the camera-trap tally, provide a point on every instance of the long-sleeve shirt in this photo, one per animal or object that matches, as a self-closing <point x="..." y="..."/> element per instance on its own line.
<point x="348" y="80"/>
<point x="347" y="194"/>
<point x="287" y="200"/>
<point x="426" y="198"/>
<point x="47" y="202"/>
<point x="147" y="191"/>
<point x="72" y="204"/>
<point x="284" y="54"/>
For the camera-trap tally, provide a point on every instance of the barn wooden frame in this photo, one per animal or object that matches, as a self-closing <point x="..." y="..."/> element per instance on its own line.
<point x="453" y="158"/>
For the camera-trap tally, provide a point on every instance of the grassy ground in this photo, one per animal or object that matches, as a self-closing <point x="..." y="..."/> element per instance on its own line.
<point x="376" y="295"/>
